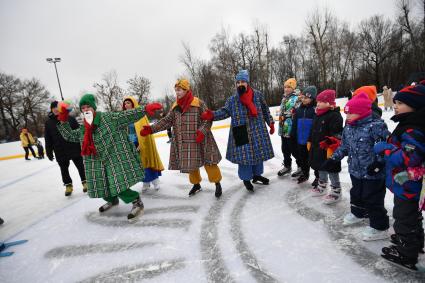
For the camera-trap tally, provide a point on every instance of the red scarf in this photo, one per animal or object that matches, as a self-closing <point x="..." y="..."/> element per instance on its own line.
<point x="320" y="112"/>
<point x="185" y="101"/>
<point x="247" y="99"/>
<point x="88" y="147"/>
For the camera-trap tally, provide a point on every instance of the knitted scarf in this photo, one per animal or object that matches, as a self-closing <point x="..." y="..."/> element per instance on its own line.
<point x="88" y="147"/>
<point x="185" y="101"/>
<point x="247" y="99"/>
<point x="320" y="112"/>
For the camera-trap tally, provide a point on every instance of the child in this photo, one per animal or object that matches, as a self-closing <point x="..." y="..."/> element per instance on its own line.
<point x="406" y="148"/>
<point x="193" y="144"/>
<point x="287" y="109"/>
<point x="301" y="128"/>
<point x="146" y="146"/>
<point x="40" y="148"/>
<point x="324" y="139"/>
<point x="249" y="143"/>
<point x="372" y="93"/>
<point x="111" y="162"/>
<point x="367" y="193"/>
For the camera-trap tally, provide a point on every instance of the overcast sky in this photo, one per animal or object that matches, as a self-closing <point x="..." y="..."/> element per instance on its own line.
<point x="140" y="36"/>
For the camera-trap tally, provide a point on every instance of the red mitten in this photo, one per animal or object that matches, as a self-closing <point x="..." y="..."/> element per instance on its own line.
<point x="152" y="107"/>
<point x="64" y="108"/>
<point x="208" y="115"/>
<point x="324" y="144"/>
<point x="199" y="136"/>
<point x="334" y="143"/>
<point x="147" y="130"/>
<point x="271" y="128"/>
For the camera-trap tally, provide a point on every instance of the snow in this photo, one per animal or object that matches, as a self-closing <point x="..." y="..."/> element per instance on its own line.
<point x="277" y="234"/>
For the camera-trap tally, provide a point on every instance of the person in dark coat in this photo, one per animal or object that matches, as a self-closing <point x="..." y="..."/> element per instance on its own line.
<point x="63" y="150"/>
<point x="301" y="129"/>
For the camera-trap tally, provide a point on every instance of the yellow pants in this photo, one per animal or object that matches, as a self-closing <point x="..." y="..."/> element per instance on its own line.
<point x="214" y="174"/>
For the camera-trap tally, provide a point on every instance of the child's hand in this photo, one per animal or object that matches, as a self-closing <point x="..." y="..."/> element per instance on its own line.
<point x="380" y="147"/>
<point x="199" y="136"/>
<point x="147" y="130"/>
<point x="271" y="128"/>
<point x="207" y="115"/>
<point x="401" y="177"/>
<point x="375" y="168"/>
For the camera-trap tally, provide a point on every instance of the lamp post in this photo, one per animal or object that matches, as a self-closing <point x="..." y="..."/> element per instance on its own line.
<point x="54" y="61"/>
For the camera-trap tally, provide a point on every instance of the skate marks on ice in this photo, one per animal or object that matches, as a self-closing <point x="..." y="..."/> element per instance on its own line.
<point x="216" y="269"/>
<point x="82" y="250"/>
<point x="248" y="258"/>
<point x="138" y="272"/>
<point x="348" y="243"/>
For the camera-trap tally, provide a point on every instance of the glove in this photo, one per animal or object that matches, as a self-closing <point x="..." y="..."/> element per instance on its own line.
<point x="330" y="165"/>
<point x="199" y="136"/>
<point x="401" y="177"/>
<point x="375" y="168"/>
<point x="271" y="128"/>
<point x="64" y="107"/>
<point x="308" y="146"/>
<point x="152" y="107"/>
<point x="147" y="130"/>
<point x="207" y="115"/>
<point x="330" y="142"/>
<point x="381" y="147"/>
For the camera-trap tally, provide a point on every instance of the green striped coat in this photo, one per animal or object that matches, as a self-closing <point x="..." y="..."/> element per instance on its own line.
<point x="116" y="166"/>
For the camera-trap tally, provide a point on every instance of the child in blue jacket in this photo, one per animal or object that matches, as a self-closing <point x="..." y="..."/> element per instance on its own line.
<point x="367" y="194"/>
<point x="301" y="129"/>
<point x="406" y="148"/>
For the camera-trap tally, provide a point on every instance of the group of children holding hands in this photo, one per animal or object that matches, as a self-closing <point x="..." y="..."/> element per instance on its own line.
<point x="115" y="146"/>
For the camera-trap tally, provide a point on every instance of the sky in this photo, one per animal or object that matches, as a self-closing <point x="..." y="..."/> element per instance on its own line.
<point x="141" y="37"/>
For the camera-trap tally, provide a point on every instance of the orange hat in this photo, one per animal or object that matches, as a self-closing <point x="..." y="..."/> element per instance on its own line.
<point x="292" y="83"/>
<point x="183" y="84"/>
<point x="370" y="90"/>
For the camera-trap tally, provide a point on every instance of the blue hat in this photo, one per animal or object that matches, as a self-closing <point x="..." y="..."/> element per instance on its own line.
<point x="414" y="96"/>
<point x="310" y="92"/>
<point x="243" y="76"/>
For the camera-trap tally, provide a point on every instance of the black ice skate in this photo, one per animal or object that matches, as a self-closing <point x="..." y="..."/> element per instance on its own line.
<point x="284" y="171"/>
<point x="249" y="186"/>
<point x="108" y="205"/>
<point x="302" y="178"/>
<point x="260" y="180"/>
<point x="195" y="189"/>
<point x="393" y="256"/>
<point x="218" y="190"/>
<point x="395" y="239"/>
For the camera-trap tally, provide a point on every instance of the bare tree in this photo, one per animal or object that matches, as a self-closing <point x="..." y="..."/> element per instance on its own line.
<point x="109" y="93"/>
<point x="139" y="87"/>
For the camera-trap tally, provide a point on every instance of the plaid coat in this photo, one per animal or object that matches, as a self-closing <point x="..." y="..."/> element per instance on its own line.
<point x="116" y="166"/>
<point x="259" y="147"/>
<point x="185" y="154"/>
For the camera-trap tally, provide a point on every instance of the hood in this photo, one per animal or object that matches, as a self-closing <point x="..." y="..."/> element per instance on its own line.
<point x="134" y="100"/>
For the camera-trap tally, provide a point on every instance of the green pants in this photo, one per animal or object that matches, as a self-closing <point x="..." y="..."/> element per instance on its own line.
<point x="126" y="196"/>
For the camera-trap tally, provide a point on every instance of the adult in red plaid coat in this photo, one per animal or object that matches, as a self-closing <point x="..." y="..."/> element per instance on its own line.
<point x="193" y="145"/>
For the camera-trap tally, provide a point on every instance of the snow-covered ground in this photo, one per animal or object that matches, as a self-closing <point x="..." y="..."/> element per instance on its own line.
<point x="277" y="234"/>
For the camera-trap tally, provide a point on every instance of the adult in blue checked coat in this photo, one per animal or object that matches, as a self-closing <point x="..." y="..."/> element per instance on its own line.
<point x="249" y="143"/>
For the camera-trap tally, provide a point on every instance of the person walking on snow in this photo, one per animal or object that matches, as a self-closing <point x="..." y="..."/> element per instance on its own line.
<point x="63" y="150"/>
<point x="249" y="143"/>
<point x="27" y="141"/>
<point x="146" y="147"/>
<point x="193" y="145"/>
<point x="111" y="162"/>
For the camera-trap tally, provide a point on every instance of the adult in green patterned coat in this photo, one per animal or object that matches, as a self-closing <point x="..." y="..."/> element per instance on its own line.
<point x="111" y="162"/>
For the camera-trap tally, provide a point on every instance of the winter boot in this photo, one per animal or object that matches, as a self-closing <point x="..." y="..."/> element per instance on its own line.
<point x="68" y="189"/>
<point x="218" y="190"/>
<point x="108" y="205"/>
<point x="351" y="219"/>
<point x="248" y="186"/>
<point x="319" y="190"/>
<point x="195" y="189"/>
<point x="284" y="171"/>
<point x="315" y="182"/>
<point x="260" y="179"/>
<point x="372" y="234"/>
<point x="297" y="173"/>
<point x="84" y="186"/>
<point x="393" y="255"/>
<point x="333" y="196"/>
<point x="136" y="210"/>
<point x="302" y="178"/>
<point x="1" y="221"/>
<point x="156" y="185"/>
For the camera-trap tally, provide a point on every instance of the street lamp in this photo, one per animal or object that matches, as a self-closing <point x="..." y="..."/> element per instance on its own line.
<point x="54" y="61"/>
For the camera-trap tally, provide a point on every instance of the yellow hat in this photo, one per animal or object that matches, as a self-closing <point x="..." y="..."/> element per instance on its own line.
<point x="183" y="84"/>
<point x="292" y="83"/>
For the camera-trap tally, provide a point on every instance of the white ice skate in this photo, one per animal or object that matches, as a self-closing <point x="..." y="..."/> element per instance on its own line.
<point x="371" y="234"/>
<point x="351" y="219"/>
